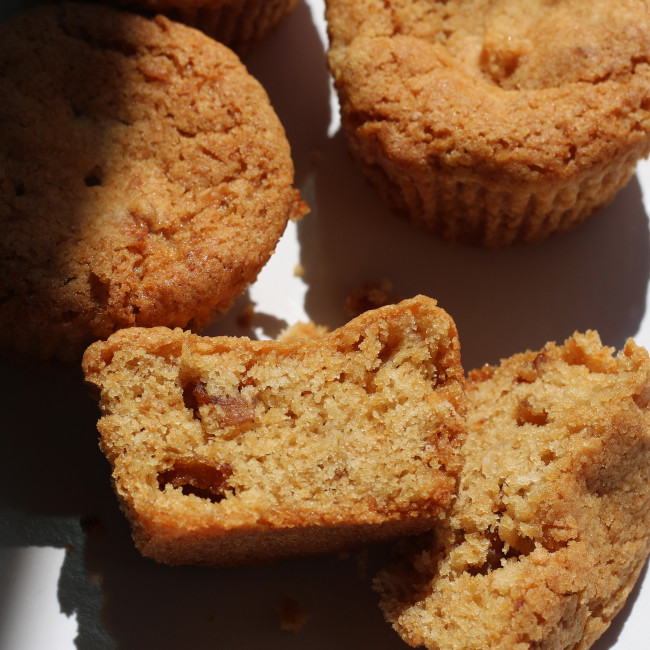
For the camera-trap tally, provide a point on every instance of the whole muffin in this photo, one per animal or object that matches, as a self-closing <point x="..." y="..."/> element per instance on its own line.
<point x="494" y="122"/>
<point x="239" y="24"/>
<point x="144" y="177"/>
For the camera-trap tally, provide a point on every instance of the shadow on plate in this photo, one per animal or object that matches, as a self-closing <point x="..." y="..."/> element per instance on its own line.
<point x="506" y="301"/>
<point x="291" y="66"/>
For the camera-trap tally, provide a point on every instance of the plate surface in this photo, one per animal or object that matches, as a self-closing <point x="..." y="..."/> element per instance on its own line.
<point x="68" y="569"/>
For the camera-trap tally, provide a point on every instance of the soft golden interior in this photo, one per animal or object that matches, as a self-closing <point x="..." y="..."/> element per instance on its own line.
<point x="362" y="425"/>
<point x="550" y="528"/>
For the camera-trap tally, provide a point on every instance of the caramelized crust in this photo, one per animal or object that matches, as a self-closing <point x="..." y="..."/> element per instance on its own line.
<point x="144" y="177"/>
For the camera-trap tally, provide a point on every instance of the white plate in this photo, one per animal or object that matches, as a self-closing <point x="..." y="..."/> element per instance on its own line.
<point x="60" y="579"/>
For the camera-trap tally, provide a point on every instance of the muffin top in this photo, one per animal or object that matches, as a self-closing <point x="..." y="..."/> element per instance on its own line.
<point x="144" y="177"/>
<point x="538" y="86"/>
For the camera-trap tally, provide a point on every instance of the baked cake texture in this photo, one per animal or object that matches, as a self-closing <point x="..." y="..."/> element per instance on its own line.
<point x="144" y="177"/>
<point x="552" y="522"/>
<point x="232" y="451"/>
<point x="493" y="121"/>
<point x="240" y="24"/>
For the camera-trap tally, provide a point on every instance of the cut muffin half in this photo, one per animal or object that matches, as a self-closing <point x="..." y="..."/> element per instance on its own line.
<point x="230" y="451"/>
<point x="551" y="527"/>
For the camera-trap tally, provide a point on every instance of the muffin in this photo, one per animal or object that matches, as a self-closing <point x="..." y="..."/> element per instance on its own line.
<point x="551" y="527"/>
<point x="240" y="24"/>
<point x="144" y="177"/>
<point x="493" y="122"/>
<point x="232" y="451"/>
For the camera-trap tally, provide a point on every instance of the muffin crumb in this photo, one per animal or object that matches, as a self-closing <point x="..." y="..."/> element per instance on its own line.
<point x="370" y="295"/>
<point x="232" y="451"/>
<point x="292" y="616"/>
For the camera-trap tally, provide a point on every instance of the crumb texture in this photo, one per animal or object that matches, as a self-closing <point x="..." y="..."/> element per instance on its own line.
<point x="235" y="450"/>
<point x="552" y="523"/>
<point x="493" y="121"/>
<point x="144" y="177"/>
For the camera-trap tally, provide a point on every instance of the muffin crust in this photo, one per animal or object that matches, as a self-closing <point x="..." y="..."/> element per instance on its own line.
<point x="494" y="122"/>
<point x="144" y="177"/>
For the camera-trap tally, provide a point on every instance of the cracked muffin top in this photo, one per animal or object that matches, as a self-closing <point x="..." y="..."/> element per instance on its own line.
<point x="144" y="177"/>
<point x="531" y="85"/>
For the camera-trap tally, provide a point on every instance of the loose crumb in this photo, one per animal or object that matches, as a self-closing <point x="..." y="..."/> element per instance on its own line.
<point x="246" y="318"/>
<point x="292" y="616"/>
<point x="92" y="525"/>
<point x="96" y="578"/>
<point x="362" y="564"/>
<point x="370" y="296"/>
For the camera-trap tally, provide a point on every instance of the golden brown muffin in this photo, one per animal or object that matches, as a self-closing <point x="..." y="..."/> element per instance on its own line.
<point x="552" y="522"/>
<point x="144" y="177"/>
<point x="231" y="451"/>
<point x="494" y="121"/>
<point x="239" y="24"/>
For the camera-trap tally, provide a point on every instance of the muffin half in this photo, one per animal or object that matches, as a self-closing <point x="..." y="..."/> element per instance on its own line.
<point x="551" y="527"/>
<point x="231" y="451"/>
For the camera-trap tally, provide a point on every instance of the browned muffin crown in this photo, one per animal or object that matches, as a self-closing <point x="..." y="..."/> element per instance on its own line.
<point x="144" y="177"/>
<point x="494" y="122"/>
